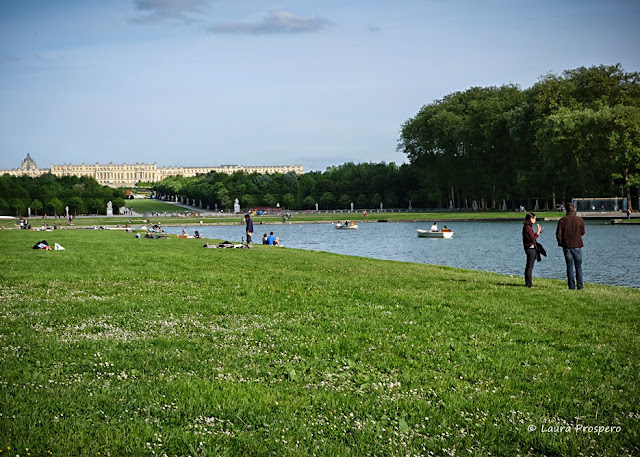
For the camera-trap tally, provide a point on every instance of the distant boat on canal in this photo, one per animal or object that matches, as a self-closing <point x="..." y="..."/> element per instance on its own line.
<point x="435" y="233"/>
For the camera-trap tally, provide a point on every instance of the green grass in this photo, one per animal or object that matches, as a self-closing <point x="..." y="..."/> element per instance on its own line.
<point x="145" y="205"/>
<point x="124" y="346"/>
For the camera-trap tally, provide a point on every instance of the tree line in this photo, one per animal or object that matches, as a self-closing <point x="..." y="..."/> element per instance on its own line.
<point x="49" y="194"/>
<point x="571" y="135"/>
<point x="366" y="185"/>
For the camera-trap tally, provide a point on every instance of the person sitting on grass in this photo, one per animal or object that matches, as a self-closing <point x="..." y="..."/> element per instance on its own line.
<point x="270" y="239"/>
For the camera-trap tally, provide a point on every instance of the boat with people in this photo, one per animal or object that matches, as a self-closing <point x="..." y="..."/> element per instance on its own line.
<point x="445" y="233"/>
<point x="347" y="225"/>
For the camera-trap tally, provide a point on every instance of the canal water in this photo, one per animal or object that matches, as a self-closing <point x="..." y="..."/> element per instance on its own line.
<point x="610" y="254"/>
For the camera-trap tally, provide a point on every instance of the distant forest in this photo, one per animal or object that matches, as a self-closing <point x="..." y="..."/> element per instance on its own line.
<point x="48" y="194"/>
<point x="568" y="136"/>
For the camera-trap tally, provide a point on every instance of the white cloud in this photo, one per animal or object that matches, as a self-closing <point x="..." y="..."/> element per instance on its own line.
<point x="276" y="21"/>
<point x="167" y="10"/>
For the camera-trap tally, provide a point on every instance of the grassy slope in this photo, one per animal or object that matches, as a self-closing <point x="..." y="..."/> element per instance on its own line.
<point x="152" y="206"/>
<point x="127" y="346"/>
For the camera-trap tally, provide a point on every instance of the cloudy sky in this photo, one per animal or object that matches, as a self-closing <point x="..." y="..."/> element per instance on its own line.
<point x="248" y="82"/>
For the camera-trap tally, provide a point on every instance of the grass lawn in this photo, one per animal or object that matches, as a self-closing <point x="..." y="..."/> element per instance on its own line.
<point x="122" y="346"/>
<point x="146" y="205"/>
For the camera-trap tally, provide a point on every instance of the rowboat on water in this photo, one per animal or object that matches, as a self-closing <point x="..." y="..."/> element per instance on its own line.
<point x="435" y="233"/>
<point x="346" y="225"/>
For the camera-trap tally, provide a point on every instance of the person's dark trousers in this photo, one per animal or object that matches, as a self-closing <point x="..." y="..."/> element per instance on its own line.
<point x="573" y="259"/>
<point x="528" y="271"/>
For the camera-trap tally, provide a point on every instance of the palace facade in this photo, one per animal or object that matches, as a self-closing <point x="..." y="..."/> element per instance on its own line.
<point x="127" y="175"/>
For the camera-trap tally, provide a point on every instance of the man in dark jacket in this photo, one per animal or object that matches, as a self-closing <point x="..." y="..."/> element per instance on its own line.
<point x="249" y="228"/>
<point x="569" y="235"/>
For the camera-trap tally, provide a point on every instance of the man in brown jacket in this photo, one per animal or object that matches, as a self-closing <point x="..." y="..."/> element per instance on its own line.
<point x="569" y="235"/>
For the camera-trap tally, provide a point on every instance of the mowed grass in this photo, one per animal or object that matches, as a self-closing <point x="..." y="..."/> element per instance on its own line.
<point x="123" y="346"/>
<point x="147" y="205"/>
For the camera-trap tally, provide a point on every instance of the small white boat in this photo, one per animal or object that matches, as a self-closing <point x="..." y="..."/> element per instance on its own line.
<point x="347" y="225"/>
<point x="435" y="234"/>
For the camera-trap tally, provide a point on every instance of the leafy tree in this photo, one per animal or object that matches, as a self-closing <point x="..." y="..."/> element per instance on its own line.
<point x="19" y="206"/>
<point x="247" y="201"/>
<point x="390" y="199"/>
<point x="224" y="198"/>
<point x="288" y="200"/>
<point x="36" y="205"/>
<point x="327" y="199"/>
<point x="624" y="143"/>
<point x="376" y="200"/>
<point x="118" y="203"/>
<point x="309" y="201"/>
<point x="55" y="205"/>
<point x="345" y="200"/>
<point x="96" y="205"/>
<point x="362" y="201"/>
<point x="269" y="200"/>
<point x="76" y="204"/>
<point x="4" y="207"/>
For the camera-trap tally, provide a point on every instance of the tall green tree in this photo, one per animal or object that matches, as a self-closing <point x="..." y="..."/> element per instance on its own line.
<point x="327" y="199"/>
<point x="36" y="205"/>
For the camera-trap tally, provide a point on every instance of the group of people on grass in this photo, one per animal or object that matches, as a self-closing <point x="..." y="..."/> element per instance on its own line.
<point x="569" y="237"/>
<point x="270" y="239"/>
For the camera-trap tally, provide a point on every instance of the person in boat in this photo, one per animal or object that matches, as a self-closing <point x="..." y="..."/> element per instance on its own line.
<point x="434" y="227"/>
<point x="529" y="240"/>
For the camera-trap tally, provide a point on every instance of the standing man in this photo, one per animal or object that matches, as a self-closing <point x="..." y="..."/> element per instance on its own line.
<point x="249" y="228"/>
<point x="569" y="235"/>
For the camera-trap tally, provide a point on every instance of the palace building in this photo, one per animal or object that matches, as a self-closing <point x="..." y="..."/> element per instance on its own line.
<point x="127" y="175"/>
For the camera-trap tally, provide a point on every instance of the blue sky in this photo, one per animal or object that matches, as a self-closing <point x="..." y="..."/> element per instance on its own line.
<point x="219" y="82"/>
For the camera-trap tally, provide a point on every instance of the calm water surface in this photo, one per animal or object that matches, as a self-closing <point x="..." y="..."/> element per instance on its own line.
<point x="610" y="255"/>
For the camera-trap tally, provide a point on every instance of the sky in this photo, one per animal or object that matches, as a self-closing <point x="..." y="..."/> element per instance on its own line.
<point x="229" y="82"/>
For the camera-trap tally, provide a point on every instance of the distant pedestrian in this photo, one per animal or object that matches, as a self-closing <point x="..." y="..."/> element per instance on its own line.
<point x="569" y="236"/>
<point x="248" y="228"/>
<point x="629" y="213"/>
<point x="529" y="240"/>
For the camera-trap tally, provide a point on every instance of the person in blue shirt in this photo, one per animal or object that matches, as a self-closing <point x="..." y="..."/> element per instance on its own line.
<point x="271" y="239"/>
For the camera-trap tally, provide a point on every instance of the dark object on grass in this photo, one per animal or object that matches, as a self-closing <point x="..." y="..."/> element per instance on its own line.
<point x="41" y="245"/>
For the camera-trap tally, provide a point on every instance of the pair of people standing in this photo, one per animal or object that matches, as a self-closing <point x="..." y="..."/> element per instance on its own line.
<point x="569" y="237"/>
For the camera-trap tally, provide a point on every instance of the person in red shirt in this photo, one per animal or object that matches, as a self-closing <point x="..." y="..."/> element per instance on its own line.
<point x="529" y="240"/>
